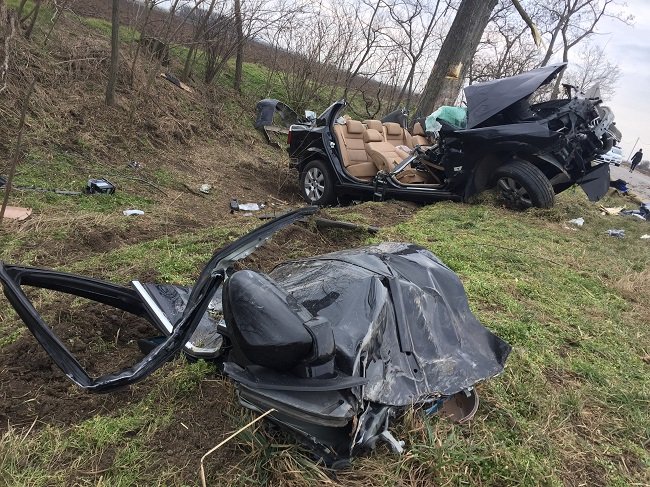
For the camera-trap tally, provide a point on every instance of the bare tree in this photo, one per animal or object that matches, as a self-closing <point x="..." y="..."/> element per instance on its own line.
<point x="506" y="49"/>
<point x="239" y="60"/>
<point x="115" y="52"/>
<point x="573" y="21"/>
<point x="416" y="21"/>
<point x="593" y="69"/>
<point x="198" y="33"/>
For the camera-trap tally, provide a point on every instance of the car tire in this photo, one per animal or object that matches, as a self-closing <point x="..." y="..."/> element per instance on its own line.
<point x="317" y="184"/>
<point x="522" y="185"/>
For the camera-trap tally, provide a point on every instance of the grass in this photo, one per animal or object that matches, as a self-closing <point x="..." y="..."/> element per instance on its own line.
<point x="570" y="409"/>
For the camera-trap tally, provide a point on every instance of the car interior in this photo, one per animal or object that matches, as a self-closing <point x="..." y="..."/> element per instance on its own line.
<point x="371" y="146"/>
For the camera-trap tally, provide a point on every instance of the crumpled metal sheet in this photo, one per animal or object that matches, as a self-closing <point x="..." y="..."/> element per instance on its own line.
<point x="401" y="319"/>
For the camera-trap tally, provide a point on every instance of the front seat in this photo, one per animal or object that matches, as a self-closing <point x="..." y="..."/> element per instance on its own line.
<point x="269" y="327"/>
<point x="386" y="157"/>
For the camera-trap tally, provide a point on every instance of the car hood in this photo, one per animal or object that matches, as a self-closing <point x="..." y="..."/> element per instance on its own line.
<point x="485" y="100"/>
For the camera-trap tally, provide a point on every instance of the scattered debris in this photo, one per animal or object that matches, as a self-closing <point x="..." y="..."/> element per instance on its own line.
<point x="17" y="213"/>
<point x="643" y="212"/>
<point x="133" y="212"/>
<point x="619" y="185"/>
<point x="577" y="221"/>
<point x="610" y="211"/>
<point x="646" y="236"/>
<point x="134" y="165"/>
<point x="616" y="233"/>
<point x="174" y="80"/>
<point x="236" y="206"/>
<point x="205" y="188"/>
<point x="100" y="186"/>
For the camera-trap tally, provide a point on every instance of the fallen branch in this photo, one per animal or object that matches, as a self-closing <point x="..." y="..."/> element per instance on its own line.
<point x="16" y="154"/>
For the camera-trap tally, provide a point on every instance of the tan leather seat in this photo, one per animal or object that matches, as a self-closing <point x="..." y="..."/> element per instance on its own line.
<point x="386" y="158"/>
<point x="375" y="125"/>
<point x="419" y="137"/>
<point x="396" y="135"/>
<point x="355" y="158"/>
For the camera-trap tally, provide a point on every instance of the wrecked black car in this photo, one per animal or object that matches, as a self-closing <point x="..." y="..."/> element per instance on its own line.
<point x="527" y="152"/>
<point x="337" y="346"/>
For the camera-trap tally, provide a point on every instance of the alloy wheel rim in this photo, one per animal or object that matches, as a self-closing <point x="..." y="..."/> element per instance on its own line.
<point x="314" y="184"/>
<point x="513" y="192"/>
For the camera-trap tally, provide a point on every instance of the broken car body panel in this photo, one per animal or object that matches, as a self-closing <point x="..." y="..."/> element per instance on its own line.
<point x="486" y="99"/>
<point x="339" y="345"/>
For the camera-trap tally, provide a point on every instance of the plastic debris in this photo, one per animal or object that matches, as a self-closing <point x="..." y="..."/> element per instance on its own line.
<point x="646" y="236"/>
<point x="577" y="221"/>
<point x="237" y="206"/>
<point x="133" y="212"/>
<point x="205" y="188"/>
<point x="616" y="233"/>
<point x="99" y="186"/>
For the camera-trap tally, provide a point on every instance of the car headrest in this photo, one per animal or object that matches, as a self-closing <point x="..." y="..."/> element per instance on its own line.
<point x="373" y="124"/>
<point x="372" y="135"/>
<point x="354" y="127"/>
<point x="393" y="128"/>
<point x="417" y="129"/>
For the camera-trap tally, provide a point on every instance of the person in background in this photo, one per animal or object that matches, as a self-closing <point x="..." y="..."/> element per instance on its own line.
<point x="636" y="158"/>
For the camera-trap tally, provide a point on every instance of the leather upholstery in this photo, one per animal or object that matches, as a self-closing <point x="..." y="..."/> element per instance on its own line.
<point x="396" y="135"/>
<point x="386" y="157"/>
<point x="355" y="159"/>
<point x="419" y="137"/>
<point x="375" y="125"/>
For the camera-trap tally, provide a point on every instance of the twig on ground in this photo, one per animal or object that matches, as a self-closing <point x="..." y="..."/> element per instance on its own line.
<point x="203" y="483"/>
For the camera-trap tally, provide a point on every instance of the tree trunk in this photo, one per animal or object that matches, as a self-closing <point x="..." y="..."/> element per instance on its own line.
<point x="239" y="60"/>
<point x="455" y="56"/>
<point x="115" y="53"/>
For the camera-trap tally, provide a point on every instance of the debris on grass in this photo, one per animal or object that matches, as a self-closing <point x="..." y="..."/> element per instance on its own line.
<point x="237" y="206"/>
<point x="616" y="233"/>
<point x="100" y="186"/>
<point x="577" y="221"/>
<point x="17" y="213"/>
<point x="175" y="81"/>
<point x="133" y="212"/>
<point x="205" y="188"/>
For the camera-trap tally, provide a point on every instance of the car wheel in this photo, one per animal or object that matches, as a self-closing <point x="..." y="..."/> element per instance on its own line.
<point x="522" y="185"/>
<point x="317" y="184"/>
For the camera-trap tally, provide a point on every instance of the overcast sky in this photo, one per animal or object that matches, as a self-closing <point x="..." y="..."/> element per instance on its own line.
<point x="629" y="47"/>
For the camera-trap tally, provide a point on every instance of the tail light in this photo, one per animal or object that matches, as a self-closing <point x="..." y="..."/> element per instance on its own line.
<point x="289" y="136"/>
